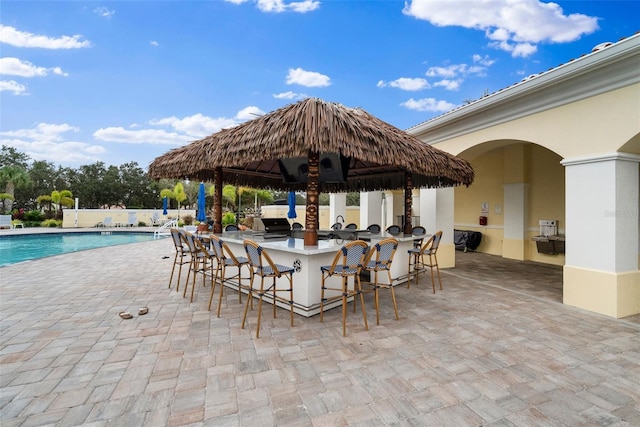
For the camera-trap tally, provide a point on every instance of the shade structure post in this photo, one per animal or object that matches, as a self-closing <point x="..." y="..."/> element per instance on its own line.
<point x="313" y="200"/>
<point x="217" y="201"/>
<point x="408" y="202"/>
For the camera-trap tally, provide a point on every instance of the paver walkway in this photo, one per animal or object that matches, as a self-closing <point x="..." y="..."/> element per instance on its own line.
<point x="485" y="351"/>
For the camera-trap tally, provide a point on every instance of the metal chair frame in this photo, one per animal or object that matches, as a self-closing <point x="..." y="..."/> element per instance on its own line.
<point x="378" y="259"/>
<point x="200" y="258"/>
<point x="418" y="260"/>
<point x="374" y="228"/>
<point x="261" y="264"/>
<point x="225" y="258"/>
<point x="394" y="230"/>
<point x="347" y="263"/>
<point x="419" y="232"/>
<point x="182" y="252"/>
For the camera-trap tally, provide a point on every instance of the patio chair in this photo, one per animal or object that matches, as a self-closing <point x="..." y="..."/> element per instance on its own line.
<point x="155" y="219"/>
<point x="297" y="226"/>
<point x="351" y="226"/>
<point x="337" y="226"/>
<point x="225" y="258"/>
<point x="419" y="232"/>
<point x="201" y="262"/>
<point x="5" y="221"/>
<point x="231" y="227"/>
<point x="182" y="252"/>
<point x="394" y="230"/>
<point x="425" y="257"/>
<point x="261" y="264"/>
<point x="346" y="263"/>
<point x="132" y="221"/>
<point x="106" y="222"/>
<point x="379" y="259"/>
<point x="374" y="228"/>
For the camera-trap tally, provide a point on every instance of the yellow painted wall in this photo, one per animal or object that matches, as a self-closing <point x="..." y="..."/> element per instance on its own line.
<point x="91" y="217"/>
<point x="513" y="162"/>
<point x="487" y="187"/>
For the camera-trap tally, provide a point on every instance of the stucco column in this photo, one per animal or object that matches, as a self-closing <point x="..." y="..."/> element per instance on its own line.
<point x="601" y="262"/>
<point x="370" y="208"/>
<point x="515" y="220"/>
<point x="394" y="207"/>
<point x="436" y="213"/>
<point x="337" y="206"/>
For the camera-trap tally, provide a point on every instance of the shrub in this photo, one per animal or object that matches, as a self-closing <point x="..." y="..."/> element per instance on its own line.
<point x="52" y="223"/>
<point x="228" y="218"/>
<point x="34" y="216"/>
<point x="188" y="219"/>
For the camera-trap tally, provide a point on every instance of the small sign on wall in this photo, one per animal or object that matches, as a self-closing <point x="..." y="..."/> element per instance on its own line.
<point x="484" y="207"/>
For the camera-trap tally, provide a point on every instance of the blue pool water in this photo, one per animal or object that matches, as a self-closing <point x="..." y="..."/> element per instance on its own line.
<point x="18" y="248"/>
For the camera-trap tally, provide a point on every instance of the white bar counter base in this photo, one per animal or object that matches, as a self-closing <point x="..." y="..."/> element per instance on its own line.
<point x="307" y="260"/>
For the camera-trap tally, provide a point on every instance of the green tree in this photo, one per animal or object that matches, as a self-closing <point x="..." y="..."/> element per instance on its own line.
<point x="12" y="176"/>
<point x="179" y="195"/>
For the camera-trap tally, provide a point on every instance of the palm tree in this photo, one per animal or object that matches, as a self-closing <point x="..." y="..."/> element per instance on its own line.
<point x="179" y="195"/>
<point x="14" y="176"/>
<point x="62" y="198"/>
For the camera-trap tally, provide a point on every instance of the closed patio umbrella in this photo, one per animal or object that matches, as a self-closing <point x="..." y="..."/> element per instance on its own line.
<point x="202" y="215"/>
<point x="292" y="205"/>
<point x="164" y="206"/>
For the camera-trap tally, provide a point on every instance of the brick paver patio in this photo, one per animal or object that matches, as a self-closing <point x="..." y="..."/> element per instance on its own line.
<point x="495" y="348"/>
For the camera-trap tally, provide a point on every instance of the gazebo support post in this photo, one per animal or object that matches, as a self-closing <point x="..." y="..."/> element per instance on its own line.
<point x="217" y="200"/>
<point x="313" y="200"/>
<point x="408" y="201"/>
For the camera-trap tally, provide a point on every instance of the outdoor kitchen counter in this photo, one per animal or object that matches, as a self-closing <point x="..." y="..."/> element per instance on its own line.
<point x="307" y="260"/>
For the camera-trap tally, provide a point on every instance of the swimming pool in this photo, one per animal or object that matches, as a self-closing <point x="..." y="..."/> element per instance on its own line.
<point x="18" y="248"/>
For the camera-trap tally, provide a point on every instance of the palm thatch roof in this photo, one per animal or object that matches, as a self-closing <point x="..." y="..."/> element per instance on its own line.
<point x="378" y="154"/>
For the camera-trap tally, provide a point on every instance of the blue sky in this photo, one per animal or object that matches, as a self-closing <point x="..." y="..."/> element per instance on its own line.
<point x="122" y="81"/>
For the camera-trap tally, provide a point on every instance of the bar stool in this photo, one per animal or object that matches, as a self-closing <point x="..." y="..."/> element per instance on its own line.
<point x="420" y="264"/>
<point x="182" y="252"/>
<point x="378" y="259"/>
<point x="201" y="262"/>
<point x="261" y="264"/>
<point x="347" y="263"/>
<point x="225" y="258"/>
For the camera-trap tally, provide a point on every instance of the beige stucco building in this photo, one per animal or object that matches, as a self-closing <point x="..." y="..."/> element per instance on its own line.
<point x="562" y="145"/>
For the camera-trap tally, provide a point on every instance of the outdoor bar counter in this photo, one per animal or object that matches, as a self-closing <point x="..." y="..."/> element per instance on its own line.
<point x="306" y="260"/>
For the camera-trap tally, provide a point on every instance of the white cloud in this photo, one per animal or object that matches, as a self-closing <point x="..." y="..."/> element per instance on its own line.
<point x="16" y="67"/>
<point x="180" y="130"/>
<point x="48" y="142"/>
<point x="249" y="113"/>
<point x="143" y="136"/>
<point x="12" y="86"/>
<point x="513" y="26"/>
<point x="428" y="104"/>
<point x="104" y="12"/>
<point x="196" y="126"/>
<point x="406" y="83"/>
<point x="154" y="43"/>
<point x="14" y="37"/>
<point x="304" y="6"/>
<point x="279" y="6"/>
<point x="289" y="95"/>
<point x="448" y="84"/>
<point x="448" y="71"/>
<point x="307" y="78"/>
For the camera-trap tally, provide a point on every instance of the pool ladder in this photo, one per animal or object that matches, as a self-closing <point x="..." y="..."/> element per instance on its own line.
<point x="164" y="227"/>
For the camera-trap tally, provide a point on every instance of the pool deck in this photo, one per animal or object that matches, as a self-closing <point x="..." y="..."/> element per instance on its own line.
<point x="496" y="347"/>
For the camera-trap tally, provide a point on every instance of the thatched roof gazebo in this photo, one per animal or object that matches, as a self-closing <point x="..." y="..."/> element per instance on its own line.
<point x="317" y="146"/>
